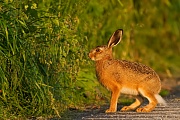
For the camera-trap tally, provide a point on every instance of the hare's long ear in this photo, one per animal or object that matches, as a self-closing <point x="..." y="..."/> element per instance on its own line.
<point x="115" y="38"/>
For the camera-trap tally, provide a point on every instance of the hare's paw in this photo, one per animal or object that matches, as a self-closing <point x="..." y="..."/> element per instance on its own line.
<point x="144" y="109"/>
<point x="126" y="108"/>
<point x="110" y="110"/>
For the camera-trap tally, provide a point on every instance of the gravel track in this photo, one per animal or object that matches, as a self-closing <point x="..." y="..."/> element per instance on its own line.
<point x="170" y="112"/>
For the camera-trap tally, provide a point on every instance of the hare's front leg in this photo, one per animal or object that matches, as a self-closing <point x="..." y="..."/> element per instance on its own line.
<point x="115" y="93"/>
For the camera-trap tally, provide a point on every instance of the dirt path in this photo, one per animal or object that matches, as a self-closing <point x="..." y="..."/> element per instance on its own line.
<point x="170" y="112"/>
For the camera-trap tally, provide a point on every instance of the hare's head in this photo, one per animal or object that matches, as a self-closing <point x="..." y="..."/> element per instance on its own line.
<point x="105" y="51"/>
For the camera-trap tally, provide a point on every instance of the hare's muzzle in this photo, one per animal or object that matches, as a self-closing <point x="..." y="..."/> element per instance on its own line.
<point x="91" y="56"/>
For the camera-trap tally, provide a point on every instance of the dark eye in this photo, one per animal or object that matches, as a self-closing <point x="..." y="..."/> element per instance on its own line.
<point x="97" y="50"/>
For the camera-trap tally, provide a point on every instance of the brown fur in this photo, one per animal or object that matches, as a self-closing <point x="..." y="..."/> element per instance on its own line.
<point x="121" y="76"/>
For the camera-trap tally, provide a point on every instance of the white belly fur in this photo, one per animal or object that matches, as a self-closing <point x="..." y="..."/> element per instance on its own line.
<point x="129" y="91"/>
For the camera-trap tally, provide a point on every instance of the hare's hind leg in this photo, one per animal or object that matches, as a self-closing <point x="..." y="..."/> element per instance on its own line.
<point x="152" y="101"/>
<point x="134" y="105"/>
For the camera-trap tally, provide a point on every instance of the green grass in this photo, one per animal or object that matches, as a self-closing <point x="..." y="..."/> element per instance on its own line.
<point x="39" y="59"/>
<point x="164" y="93"/>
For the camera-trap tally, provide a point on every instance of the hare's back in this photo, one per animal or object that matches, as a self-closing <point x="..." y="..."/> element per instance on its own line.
<point x="136" y="68"/>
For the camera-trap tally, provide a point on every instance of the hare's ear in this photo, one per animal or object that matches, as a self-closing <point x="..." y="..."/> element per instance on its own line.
<point x="115" y="38"/>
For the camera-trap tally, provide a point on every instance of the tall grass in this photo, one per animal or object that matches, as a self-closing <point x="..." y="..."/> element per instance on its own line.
<point x="39" y="57"/>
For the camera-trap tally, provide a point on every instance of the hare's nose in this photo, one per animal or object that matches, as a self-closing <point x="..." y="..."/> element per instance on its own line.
<point x="89" y="54"/>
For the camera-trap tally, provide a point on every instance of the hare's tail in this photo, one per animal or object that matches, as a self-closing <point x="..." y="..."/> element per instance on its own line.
<point x="160" y="100"/>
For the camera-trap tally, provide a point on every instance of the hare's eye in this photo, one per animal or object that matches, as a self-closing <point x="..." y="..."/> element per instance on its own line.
<point x="98" y="50"/>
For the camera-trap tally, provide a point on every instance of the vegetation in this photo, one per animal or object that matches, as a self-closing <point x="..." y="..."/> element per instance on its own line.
<point x="39" y="58"/>
<point x="44" y="66"/>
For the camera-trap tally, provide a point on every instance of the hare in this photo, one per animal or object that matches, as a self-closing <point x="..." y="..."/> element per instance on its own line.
<point x="121" y="76"/>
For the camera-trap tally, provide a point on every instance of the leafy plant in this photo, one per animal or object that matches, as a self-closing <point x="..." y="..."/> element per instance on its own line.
<point x="39" y="57"/>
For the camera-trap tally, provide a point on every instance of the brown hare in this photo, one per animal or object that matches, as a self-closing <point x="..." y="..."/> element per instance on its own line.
<point x="121" y="76"/>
